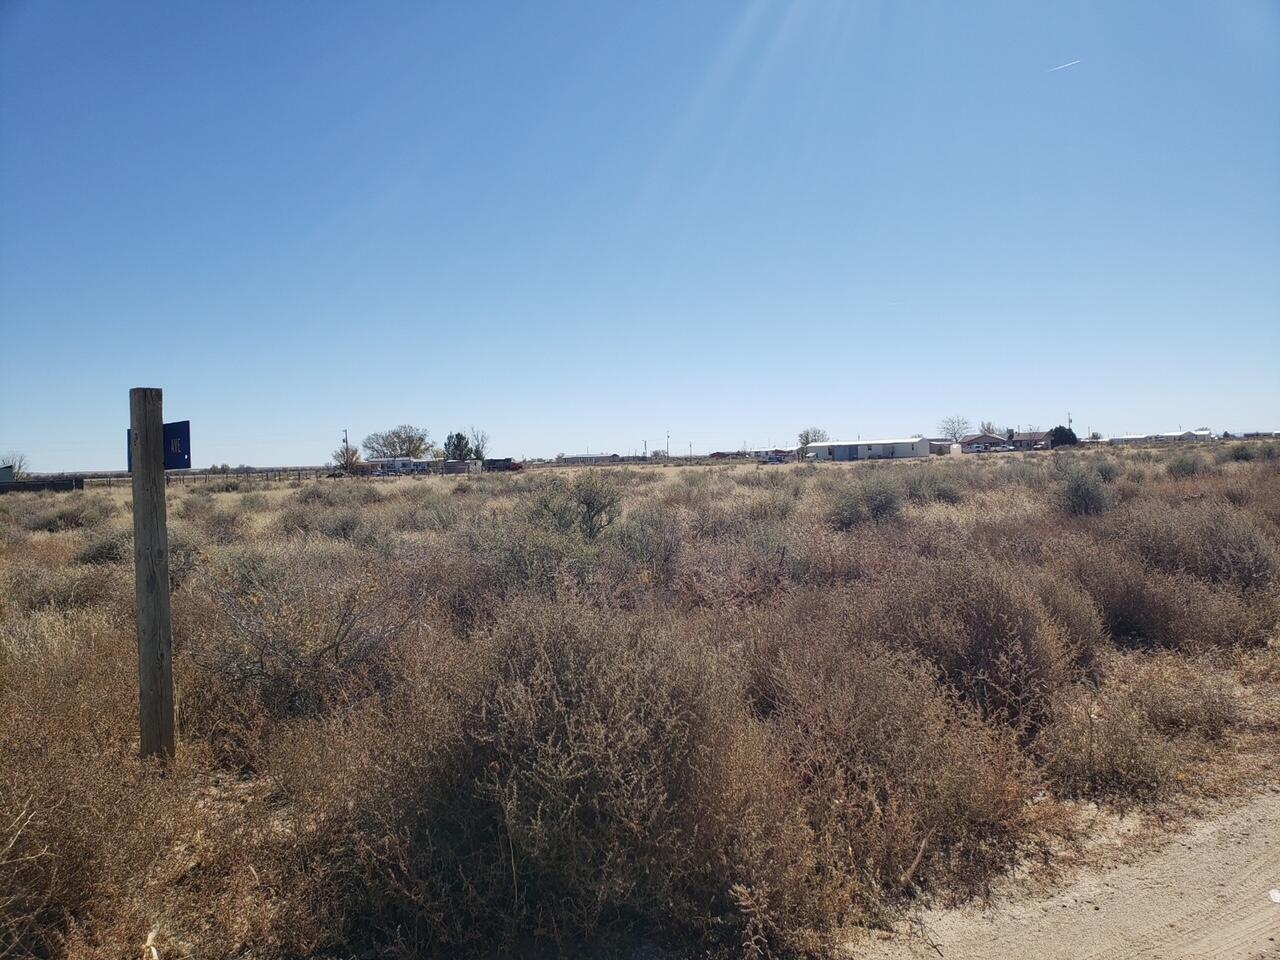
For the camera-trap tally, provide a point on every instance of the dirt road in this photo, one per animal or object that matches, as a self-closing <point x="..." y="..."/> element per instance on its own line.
<point x="1205" y="893"/>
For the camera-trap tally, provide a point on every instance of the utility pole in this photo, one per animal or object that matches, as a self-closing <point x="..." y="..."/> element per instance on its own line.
<point x="151" y="574"/>
<point x="668" y="443"/>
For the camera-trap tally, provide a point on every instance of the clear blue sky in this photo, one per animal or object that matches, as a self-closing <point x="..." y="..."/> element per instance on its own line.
<point x="581" y="224"/>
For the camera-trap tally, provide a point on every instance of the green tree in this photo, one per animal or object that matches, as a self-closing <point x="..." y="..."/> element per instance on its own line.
<point x="457" y="446"/>
<point x="1063" y="436"/>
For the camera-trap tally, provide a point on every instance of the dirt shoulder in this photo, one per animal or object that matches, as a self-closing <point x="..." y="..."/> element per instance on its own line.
<point x="1204" y="892"/>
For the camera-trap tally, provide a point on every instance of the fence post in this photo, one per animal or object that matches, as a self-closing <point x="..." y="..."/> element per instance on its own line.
<point x="151" y="573"/>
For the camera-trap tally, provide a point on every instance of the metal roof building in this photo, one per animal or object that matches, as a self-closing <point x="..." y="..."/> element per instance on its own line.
<point x="892" y="449"/>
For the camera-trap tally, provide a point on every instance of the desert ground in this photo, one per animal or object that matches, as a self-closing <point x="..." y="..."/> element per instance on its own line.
<point x="1006" y="705"/>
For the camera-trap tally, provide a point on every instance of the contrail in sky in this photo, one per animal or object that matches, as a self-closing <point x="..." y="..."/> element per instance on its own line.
<point x="1063" y="66"/>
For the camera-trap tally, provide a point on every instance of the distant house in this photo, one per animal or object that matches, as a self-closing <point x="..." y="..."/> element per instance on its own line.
<point x="6" y="473"/>
<point x="1032" y="440"/>
<point x="401" y="465"/>
<point x="775" y="454"/>
<point x="981" y="442"/>
<point x="869" y="449"/>
<point x="943" y="446"/>
<point x="1182" y="436"/>
<point x="587" y="459"/>
<point x="458" y="466"/>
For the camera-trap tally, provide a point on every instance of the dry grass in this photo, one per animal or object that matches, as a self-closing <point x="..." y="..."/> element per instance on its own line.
<point x="723" y="710"/>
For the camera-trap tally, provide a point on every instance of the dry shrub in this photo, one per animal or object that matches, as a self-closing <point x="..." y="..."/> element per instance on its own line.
<point x="341" y="493"/>
<point x="1080" y="492"/>
<point x="1179" y="696"/>
<point x="339" y="523"/>
<point x="288" y="633"/>
<point x="1100" y="743"/>
<point x="1108" y="470"/>
<point x="70" y="511"/>
<point x="101" y="847"/>
<point x="423" y="508"/>
<point x="515" y="556"/>
<point x="27" y="588"/>
<point x="873" y="497"/>
<point x="905" y="789"/>
<point x="595" y="783"/>
<point x="1077" y="616"/>
<point x="1145" y="607"/>
<point x="115" y="546"/>
<point x="744" y="565"/>
<point x="987" y="627"/>
<point x="74" y="803"/>
<point x="933" y="484"/>
<point x="1206" y="539"/>
<point x="1187" y="464"/>
<point x="645" y="546"/>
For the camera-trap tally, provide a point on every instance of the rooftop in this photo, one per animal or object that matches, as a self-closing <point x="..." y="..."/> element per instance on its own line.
<point x="855" y="443"/>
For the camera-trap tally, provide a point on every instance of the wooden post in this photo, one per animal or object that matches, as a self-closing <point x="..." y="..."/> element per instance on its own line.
<point x="151" y="572"/>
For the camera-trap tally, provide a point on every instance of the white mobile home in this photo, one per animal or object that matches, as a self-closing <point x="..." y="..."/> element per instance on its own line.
<point x="401" y="465"/>
<point x="869" y="449"/>
<point x="1182" y="436"/>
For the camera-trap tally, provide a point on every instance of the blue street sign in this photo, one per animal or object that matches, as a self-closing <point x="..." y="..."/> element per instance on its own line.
<point x="177" y="446"/>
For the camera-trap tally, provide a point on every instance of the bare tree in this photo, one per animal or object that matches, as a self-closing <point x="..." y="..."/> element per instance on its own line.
<point x="810" y="435"/>
<point x="479" y="443"/>
<point x="405" y="440"/>
<point x="954" y="428"/>
<point x="346" y="457"/>
<point x="16" y="460"/>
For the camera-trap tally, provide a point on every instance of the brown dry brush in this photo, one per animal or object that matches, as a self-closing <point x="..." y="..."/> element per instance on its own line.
<point x="728" y="710"/>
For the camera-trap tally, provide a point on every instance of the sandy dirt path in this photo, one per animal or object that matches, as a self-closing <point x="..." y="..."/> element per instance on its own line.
<point x="1203" y="894"/>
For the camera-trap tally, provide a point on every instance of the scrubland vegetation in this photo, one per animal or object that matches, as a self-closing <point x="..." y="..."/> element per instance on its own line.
<point x="730" y="711"/>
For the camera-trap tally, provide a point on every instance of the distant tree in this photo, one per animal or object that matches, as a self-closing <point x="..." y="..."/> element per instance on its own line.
<point x="16" y="460"/>
<point x="811" y="435"/>
<point x="402" y="441"/>
<point x="988" y="426"/>
<point x="479" y="443"/>
<point x="1095" y="435"/>
<point x="346" y="457"/>
<point x="1063" y="436"/>
<point x="954" y="428"/>
<point x="457" y="447"/>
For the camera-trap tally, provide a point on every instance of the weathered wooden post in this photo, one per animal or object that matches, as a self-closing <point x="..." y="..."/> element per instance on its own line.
<point x="151" y="570"/>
